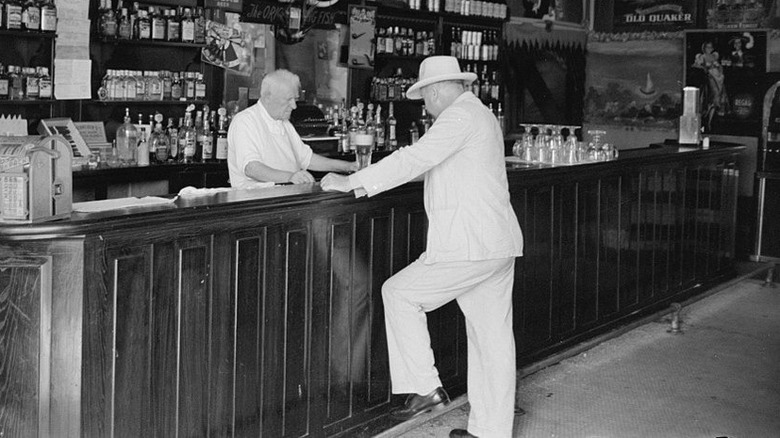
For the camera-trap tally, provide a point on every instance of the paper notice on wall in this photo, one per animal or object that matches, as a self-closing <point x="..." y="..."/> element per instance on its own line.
<point x="73" y="38"/>
<point x="72" y="79"/>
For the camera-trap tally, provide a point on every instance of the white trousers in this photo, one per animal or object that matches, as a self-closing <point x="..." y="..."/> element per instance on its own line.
<point x="483" y="290"/>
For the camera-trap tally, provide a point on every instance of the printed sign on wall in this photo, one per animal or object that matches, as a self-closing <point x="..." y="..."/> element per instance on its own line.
<point x="653" y="15"/>
<point x="362" y="28"/>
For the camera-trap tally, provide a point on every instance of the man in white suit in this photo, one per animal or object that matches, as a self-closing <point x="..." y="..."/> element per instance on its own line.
<point x="473" y="239"/>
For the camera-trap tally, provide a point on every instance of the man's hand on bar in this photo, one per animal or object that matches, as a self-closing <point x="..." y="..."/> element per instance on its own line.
<point x="335" y="182"/>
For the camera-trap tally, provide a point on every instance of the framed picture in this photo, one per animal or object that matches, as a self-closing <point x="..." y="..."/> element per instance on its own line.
<point x="728" y="67"/>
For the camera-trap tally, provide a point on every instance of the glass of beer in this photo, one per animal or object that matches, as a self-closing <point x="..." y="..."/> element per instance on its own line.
<point x="364" y="143"/>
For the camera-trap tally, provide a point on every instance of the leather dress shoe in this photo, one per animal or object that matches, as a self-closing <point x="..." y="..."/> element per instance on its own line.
<point x="417" y="404"/>
<point x="461" y="433"/>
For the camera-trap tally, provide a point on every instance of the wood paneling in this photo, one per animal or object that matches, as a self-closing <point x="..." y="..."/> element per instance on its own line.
<point x="267" y="320"/>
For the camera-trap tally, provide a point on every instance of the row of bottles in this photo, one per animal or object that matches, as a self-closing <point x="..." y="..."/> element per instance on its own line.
<point x="153" y="23"/>
<point x="487" y="86"/>
<point x="403" y="41"/>
<point x="425" y="5"/>
<point x="152" y="85"/>
<point x="347" y="123"/>
<point x="477" y="8"/>
<point x="25" y="83"/>
<point x="473" y="45"/>
<point x="30" y="15"/>
<point x="203" y="139"/>
<point x="391" y="88"/>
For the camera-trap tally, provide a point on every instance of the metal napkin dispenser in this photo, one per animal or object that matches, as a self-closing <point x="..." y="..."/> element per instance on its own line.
<point x="36" y="180"/>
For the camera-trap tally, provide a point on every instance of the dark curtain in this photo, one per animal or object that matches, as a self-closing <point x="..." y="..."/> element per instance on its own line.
<point x="544" y="81"/>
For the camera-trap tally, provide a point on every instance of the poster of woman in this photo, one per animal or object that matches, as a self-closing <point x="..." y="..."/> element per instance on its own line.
<point x="728" y="68"/>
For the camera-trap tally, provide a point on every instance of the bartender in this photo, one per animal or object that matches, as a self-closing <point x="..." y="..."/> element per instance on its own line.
<point x="263" y="145"/>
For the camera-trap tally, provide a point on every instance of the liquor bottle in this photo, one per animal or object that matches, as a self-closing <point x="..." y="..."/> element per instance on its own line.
<point x="32" y="88"/>
<point x="173" y="25"/>
<point x="392" y="140"/>
<point x="187" y="27"/>
<point x="176" y="88"/>
<point x="45" y="83"/>
<point x="197" y="128"/>
<point x="414" y="133"/>
<point x="398" y="41"/>
<point x="143" y="26"/>
<point x="425" y="121"/>
<point x="187" y="137"/>
<point x="31" y="16"/>
<point x="12" y="14"/>
<point x="126" y="140"/>
<point x="200" y="25"/>
<point x="140" y="85"/>
<point x="205" y="141"/>
<point x="17" y="82"/>
<point x="380" y="40"/>
<point x="158" y="24"/>
<point x="108" y="24"/>
<point x="380" y="129"/>
<point x="173" y="140"/>
<point x="189" y="85"/>
<point x="48" y="16"/>
<point x="159" y="140"/>
<point x="142" y="154"/>
<point x="5" y="84"/>
<point x="125" y="29"/>
<point x="200" y="87"/>
<point x="390" y="41"/>
<point x="222" y="140"/>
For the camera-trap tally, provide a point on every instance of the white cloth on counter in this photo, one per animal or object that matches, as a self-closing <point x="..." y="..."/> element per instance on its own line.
<point x="118" y="203"/>
<point x="190" y="191"/>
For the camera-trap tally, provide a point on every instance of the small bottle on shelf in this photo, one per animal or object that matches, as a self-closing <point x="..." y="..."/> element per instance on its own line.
<point x="380" y="129"/>
<point x="125" y="29"/>
<point x="158" y="24"/>
<point x="414" y="133"/>
<point x="222" y="141"/>
<point x="12" y="14"/>
<point x="187" y="137"/>
<point x="48" y="16"/>
<point x="205" y="142"/>
<point x="31" y="16"/>
<point x="5" y="84"/>
<point x="173" y="26"/>
<point x="187" y="27"/>
<point x="392" y="140"/>
<point x="159" y="140"/>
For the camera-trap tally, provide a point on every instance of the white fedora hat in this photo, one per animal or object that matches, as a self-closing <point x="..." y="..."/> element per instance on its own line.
<point x="436" y="69"/>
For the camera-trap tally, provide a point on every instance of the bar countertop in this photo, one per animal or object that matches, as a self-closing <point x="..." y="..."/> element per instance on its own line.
<point x="281" y="196"/>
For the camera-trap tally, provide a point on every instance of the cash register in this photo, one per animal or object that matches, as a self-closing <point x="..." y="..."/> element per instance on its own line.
<point x="36" y="180"/>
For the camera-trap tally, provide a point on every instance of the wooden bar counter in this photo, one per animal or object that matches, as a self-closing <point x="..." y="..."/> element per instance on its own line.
<point x="259" y="313"/>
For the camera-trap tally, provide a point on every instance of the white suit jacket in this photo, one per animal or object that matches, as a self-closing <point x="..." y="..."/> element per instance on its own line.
<point x="466" y="193"/>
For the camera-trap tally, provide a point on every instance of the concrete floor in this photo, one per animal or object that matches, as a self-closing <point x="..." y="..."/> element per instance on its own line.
<point x="719" y="378"/>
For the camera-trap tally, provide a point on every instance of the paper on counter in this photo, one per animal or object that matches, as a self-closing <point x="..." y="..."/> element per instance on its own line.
<point x="118" y="203"/>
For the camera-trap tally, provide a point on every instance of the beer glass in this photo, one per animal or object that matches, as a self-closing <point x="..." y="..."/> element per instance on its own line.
<point x="363" y="145"/>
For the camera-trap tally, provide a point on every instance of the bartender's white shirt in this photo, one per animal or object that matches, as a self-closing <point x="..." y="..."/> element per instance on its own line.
<point x="466" y="193"/>
<point x="255" y="136"/>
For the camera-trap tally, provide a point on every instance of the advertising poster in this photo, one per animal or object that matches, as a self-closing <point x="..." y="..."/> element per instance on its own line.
<point x="728" y="67"/>
<point x="228" y="47"/>
<point x="653" y="15"/>
<point x="362" y="28"/>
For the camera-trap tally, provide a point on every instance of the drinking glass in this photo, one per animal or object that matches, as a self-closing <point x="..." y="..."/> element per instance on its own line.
<point x="363" y="145"/>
